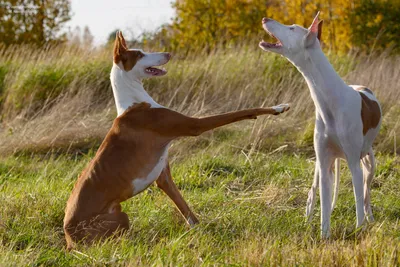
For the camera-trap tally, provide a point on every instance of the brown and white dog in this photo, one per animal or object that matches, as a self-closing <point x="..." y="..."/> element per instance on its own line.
<point x="134" y="153"/>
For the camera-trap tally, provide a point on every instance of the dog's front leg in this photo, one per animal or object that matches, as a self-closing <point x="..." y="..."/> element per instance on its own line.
<point x="165" y="183"/>
<point x="198" y="126"/>
<point x="324" y="161"/>
<point x="326" y="190"/>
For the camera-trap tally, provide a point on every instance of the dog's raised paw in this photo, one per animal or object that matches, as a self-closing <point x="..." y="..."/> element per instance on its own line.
<point x="281" y="108"/>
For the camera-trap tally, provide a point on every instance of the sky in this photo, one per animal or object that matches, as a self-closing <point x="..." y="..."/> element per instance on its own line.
<point x="131" y="16"/>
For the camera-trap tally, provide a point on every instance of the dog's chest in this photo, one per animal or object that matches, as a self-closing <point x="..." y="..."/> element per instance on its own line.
<point x="141" y="183"/>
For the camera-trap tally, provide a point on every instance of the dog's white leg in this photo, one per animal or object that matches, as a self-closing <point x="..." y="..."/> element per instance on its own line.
<point x="337" y="180"/>
<point x="352" y="146"/>
<point x="326" y="188"/>
<point x="368" y="164"/>
<point x="312" y="193"/>
<point x="357" y="178"/>
<point x="323" y="168"/>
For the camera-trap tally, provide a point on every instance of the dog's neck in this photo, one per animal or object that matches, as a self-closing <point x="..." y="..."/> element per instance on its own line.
<point x="326" y="87"/>
<point x="128" y="90"/>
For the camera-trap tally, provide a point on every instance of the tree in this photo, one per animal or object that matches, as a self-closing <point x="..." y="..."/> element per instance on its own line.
<point x="74" y="36"/>
<point x="349" y="24"/>
<point x="210" y="22"/>
<point x="87" y="37"/>
<point x="377" y="25"/>
<point x="32" y="21"/>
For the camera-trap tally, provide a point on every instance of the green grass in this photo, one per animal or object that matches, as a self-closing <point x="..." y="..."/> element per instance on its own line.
<point x="251" y="212"/>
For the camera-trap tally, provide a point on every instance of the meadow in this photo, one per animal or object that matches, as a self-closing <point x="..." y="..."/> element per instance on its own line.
<point x="247" y="182"/>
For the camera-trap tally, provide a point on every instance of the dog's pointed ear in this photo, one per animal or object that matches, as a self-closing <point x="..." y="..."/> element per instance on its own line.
<point x="312" y="33"/>
<point x="320" y="23"/>
<point x="122" y="39"/>
<point x="119" y="47"/>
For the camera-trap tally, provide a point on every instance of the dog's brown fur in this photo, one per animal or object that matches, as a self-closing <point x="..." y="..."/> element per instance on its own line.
<point x="370" y="111"/>
<point x="131" y="148"/>
<point x="122" y="53"/>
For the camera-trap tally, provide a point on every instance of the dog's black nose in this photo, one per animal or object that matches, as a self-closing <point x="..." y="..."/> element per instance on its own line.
<point x="265" y="20"/>
<point x="168" y="56"/>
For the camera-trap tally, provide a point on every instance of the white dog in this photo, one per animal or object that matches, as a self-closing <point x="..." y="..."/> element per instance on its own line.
<point x="348" y="118"/>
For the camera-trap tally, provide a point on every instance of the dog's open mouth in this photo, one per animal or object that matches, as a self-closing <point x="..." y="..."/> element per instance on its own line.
<point x="267" y="45"/>
<point x="155" y="72"/>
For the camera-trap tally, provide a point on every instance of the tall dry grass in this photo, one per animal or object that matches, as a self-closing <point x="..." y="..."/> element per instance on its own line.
<point x="61" y="98"/>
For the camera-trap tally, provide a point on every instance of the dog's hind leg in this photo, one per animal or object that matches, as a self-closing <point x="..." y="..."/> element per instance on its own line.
<point x="99" y="227"/>
<point x="368" y="165"/>
<point x="337" y="181"/>
<point x="352" y="146"/>
<point x="165" y="183"/>
<point x="357" y="179"/>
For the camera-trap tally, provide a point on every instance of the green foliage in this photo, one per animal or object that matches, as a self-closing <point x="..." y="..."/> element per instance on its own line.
<point x="47" y="80"/>
<point x="35" y="82"/>
<point x="32" y="21"/>
<point x="377" y="25"/>
<point x="349" y="25"/>
<point x="208" y="23"/>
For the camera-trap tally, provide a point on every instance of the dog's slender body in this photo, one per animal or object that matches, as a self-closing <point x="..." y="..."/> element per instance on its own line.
<point x="134" y="153"/>
<point x="348" y="119"/>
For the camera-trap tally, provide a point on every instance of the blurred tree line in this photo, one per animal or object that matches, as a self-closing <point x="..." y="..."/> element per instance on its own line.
<point x="33" y="21"/>
<point x="362" y="25"/>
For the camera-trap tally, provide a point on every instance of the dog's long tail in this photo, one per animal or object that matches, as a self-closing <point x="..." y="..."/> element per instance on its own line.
<point x="337" y="177"/>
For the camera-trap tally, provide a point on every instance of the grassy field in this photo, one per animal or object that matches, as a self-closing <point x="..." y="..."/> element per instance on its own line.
<point x="251" y="211"/>
<point x="68" y="91"/>
<point x="247" y="182"/>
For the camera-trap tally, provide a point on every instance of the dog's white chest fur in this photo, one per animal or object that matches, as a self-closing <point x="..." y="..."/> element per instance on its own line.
<point x="128" y="91"/>
<point x="139" y="184"/>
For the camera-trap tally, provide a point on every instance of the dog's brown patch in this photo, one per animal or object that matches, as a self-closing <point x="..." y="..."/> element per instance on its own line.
<point x="131" y="149"/>
<point x="370" y="111"/>
<point x="129" y="58"/>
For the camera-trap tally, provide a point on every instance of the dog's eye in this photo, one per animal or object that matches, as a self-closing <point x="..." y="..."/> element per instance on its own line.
<point x="291" y="28"/>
